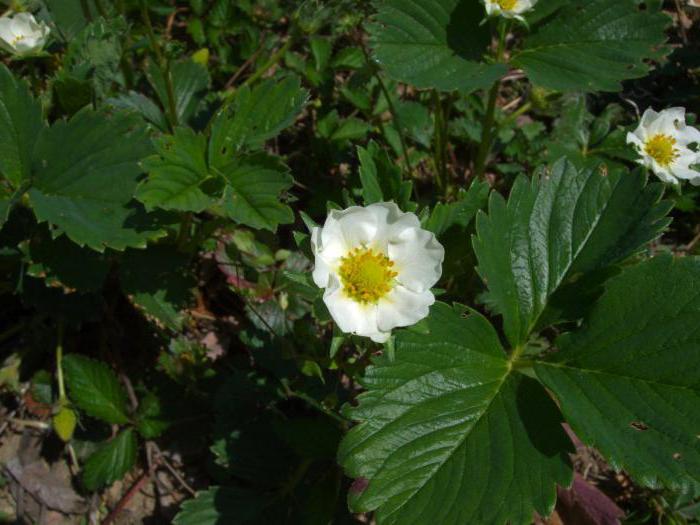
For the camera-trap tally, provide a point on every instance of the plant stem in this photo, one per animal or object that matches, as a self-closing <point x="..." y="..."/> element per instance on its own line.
<point x="395" y="116"/>
<point x="440" y="143"/>
<point x="163" y="63"/>
<point x="184" y="235"/>
<point x="276" y="57"/>
<point x="101" y="9"/>
<point x="59" y="362"/>
<point x="86" y="10"/>
<point x="489" y="117"/>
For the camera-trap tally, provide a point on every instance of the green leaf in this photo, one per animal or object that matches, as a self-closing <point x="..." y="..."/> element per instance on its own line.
<point x="555" y="227"/>
<point x="434" y="43"/>
<point x="21" y="122"/>
<point x="144" y="106"/>
<point x="95" y="389"/>
<point x="252" y="194"/>
<point x="85" y="173"/>
<point x="437" y="419"/>
<point x="111" y="461"/>
<point x="380" y="177"/>
<point x="460" y="212"/>
<point x="158" y="281"/>
<point x="190" y="84"/>
<point x="593" y="45"/>
<point x="629" y="380"/>
<point x="255" y="116"/>
<point x="218" y="505"/>
<point x="176" y="173"/>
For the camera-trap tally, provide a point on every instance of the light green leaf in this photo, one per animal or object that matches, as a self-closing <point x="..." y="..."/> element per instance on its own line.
<point x="434" y="43"/>
<point x="190" y="84"/>
<point x="21" y="122"/>
<point x="111" y="461"/>
<point x="256" y="115"/>
<point x="437" y="419"/>
<point x="460" y="212"/>
<point x="176" y="173"/>
<point x="593" y="45"/>
<point x="561" y="224"/>
<point x="219" y="505"/>
<point x="158" y="281"/>
<point x="95" y="389"/>
<point x="629" y="380"/>
<point x="252" y="193"/>
<point x="85" y="173"/>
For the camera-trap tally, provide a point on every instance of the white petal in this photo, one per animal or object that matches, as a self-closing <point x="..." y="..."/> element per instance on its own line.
<point x="402" y="307"/>
<point x="350" y="316"/>
<point x="664" y="174"/>
<point x="648" y="118"/>
<point x="686" y="174"/>
<point x="417" y="257"/>
<point x="688" y="135"/>
<point x="633" y="138"/>
<point x="321" y="271"/>
<point x="5" y="29"/>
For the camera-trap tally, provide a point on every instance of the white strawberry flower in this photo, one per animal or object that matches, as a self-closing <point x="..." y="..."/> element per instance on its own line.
<point x="377" y="266"/>
<point x="22" y="35"/>
<point x="662" y="140"/>
<point x="508" y="8"/>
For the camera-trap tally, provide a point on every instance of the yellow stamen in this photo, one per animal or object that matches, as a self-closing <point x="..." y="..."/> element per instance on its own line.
<point x="17" y="39"/>
<point x="506" y="5"/>
<point x="662" y="149"/>
<point x="366" y="275"/>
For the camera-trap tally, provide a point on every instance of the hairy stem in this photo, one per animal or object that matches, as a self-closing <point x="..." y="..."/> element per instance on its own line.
<point x="440" y="142"/>
<point x="59" y="362"/>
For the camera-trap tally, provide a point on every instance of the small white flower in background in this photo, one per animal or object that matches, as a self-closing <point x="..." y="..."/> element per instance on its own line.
<point x="22" y="35"/>
<point x="694" y="3"/>
<point x="509" y="8"/>
<point x="377" y="266"/>
<point x="662" y="140"/>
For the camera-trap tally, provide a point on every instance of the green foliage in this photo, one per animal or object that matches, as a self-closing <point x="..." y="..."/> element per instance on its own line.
<point x="460" y="212"/>
<point x="434" y="419"/>
<point x="628" y="382"/>
<point x="95" y="389"/>
<point x="561" y="224"/>
<point x="85" y="171"/>
<point x="592" y="45"/>
<point x="381" y="179"/>
<point x="111" y="461"/>
<point x="433" y="43"/>
<point x="190" y="82"/>
<point x="21" y="122"/>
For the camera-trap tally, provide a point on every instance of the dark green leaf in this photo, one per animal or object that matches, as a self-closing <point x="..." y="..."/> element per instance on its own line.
<point x="434" y="43"/>
<point x="85" y="174"/>
<point x="222" y="505"/>
<point x="142" y="105"/>
<point x="190" y="84"/>
<point x="111" y="461"/>
<point x="593" y="45"/>
<point x="629" y="380"/>
<point x="449" y="435"/>
<point x="560" y="224"/>
<point x="21" y="122"/>
<point x="461" y="212"/>
<point x="158" y="281"/>
<point x="95" y="389"/>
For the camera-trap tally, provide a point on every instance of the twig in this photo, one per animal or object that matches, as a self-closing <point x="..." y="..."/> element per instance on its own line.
<point x="251" y="59"/>
<point x="130" y="391"/>
<point x="135" y="488"/>
<point x="163" y="460"/>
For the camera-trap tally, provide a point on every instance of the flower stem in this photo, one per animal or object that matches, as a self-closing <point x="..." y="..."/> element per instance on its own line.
<point x="440" y="143"/>
<point x="59" y="362"/>
<point x="395" y="116"/>
<point x="488" y="127"/>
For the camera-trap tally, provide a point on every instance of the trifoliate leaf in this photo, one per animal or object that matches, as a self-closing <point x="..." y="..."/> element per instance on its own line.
<point x="176" y="173"/>
<point x="254" y="116"/>
<point x="252" y="194"/>
<point x="95" y="389"/>
<point x="85" y="173"/>
<point x="111" y="461"/>
<point x="21" y="122"/>
<point x="593" y="45"/>
<point x="563" y="223"/>
<point x="629" y="380"/>
<point x="434" y="43"/>
<point x="449" y="434"/>
<point x="157" y="280"/>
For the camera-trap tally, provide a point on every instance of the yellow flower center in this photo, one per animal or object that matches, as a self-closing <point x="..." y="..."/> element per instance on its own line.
<point x="366" y="275"/>
<point x="17" y="39"/>
<point x="662" y="149"/>
<point x="506" y="5"/>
